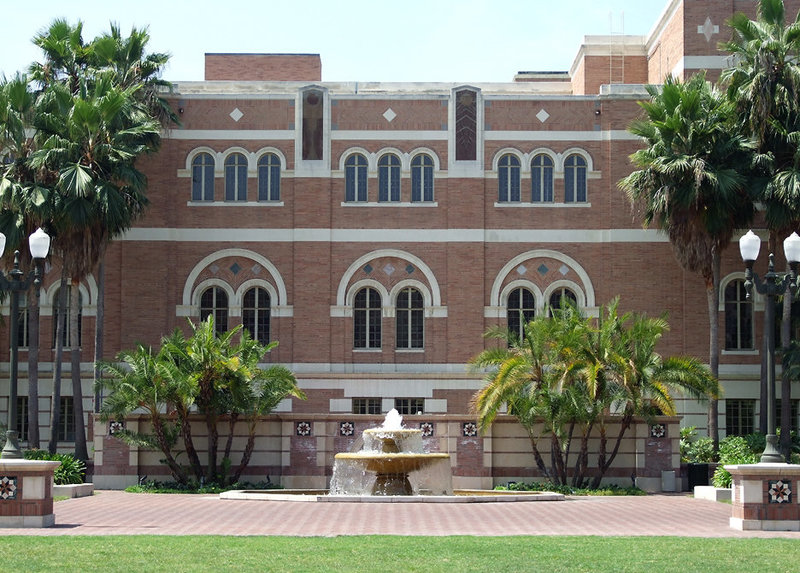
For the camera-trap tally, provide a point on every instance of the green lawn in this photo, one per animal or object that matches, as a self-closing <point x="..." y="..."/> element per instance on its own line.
<point x="397" y="554"/>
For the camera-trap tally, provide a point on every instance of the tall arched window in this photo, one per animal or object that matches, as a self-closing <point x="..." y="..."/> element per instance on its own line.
<point x="214" y="302"/>
<point x="269" y="177"/>
<point x="236" y="177"/>
<point x="508" y="179"/>
<point x="560" y="294"/>
<point x="575" y="179"/>
<point x="421" y="178"/>
<point x="66" y="338"/>
<point x="203" y="177"/>
<point x="542" y="179"/>
<point x="389" y="178"/>
<point x="521" y="309"/>
<point x="367" y="319"/>
<point x="738" y="317"/>
<point x="410" y="313"/>
<point x="355" y="178"/>
<point x="255" y="314"/>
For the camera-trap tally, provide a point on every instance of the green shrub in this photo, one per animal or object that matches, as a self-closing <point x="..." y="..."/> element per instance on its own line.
<point x="695" y="450"/>
<point x="155" y="486"/>
<point x="568" y="490"/>
<point x="735" y="450"/>
<point x="70" y="470"/>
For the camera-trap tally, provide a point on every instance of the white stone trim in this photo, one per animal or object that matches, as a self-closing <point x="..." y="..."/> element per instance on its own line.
<point x="586" y="290"/>
<point x="189" y="288"/>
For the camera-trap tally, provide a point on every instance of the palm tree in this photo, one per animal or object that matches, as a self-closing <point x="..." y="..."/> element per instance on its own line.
<point x="92" y="144"/>
<point x="24" y="206"/>
<point x="692" y="182"/>
<point x="642" y="383"/>
<point x="764" y="83"/>
<point x="142" y="380"/>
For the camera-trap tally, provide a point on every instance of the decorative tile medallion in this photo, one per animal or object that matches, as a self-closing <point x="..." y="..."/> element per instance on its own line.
<point x="389" y="269"/>
<point x="368" y="268"/>
<point x="235" y="268"/>
<point x="114" y="427"/>
<point x="469" y="429"/>
<point x="564" y="270"/>
<point x="303" y="429"/>
<point x="780" y="491"/>
<point x="410" y="268"/>
<point x="427" y="428"/>
<point x="236" y="114"/>
<point x="658" y="431"/>
<point x="542" y="269"/>
<point x="346" y="428"/>
<point x="521" y="270"/>
<point x="8" y="487"/>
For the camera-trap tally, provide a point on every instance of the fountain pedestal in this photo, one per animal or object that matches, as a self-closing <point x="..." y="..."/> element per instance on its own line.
<point x="386" y="463"/>
<point x="26" y="493"/>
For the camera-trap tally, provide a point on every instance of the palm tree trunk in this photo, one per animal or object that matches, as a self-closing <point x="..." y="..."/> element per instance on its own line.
<point x="712" y="296"/>
<point x="604" y="463"/>
<point x="33" y="370"/>
<point x="81" y="452"/>
<point x="537" y="455"/>
<point x="248" y="451"/>
<point x="99" y="330"/>
<point x="55" y="406"/>
<point x="188" y="444"/>
<point x="158" y="429"/>
<point x="232" y="419"/>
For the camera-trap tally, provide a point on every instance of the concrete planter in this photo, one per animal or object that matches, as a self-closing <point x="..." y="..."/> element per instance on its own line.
<point x="74" y="490"/>
<point x="712" y="493"/>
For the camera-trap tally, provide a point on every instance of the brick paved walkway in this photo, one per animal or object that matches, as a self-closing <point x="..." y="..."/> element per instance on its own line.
<point x="119" y="513"/>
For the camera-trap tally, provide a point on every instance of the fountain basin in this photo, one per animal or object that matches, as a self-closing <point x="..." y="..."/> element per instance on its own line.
<point x="459" y="496"/>
<point x="391" y="463"/>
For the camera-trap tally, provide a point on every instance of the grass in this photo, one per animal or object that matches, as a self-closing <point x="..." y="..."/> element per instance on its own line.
<point x="394" y="553"/>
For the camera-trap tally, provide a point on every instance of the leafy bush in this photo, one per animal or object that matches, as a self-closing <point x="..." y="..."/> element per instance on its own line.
<point x="155" y="486"/>
<point x="695" y="450"/>
<point x="606" y="490"/>
<point x="735" y="450"/>
<point x="70" y="471"/>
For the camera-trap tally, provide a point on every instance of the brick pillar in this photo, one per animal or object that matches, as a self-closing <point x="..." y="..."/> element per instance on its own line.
<point x="764" y="497"/>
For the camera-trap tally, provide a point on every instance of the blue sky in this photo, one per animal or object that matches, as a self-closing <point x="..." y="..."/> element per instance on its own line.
<point x="358" y="40"/>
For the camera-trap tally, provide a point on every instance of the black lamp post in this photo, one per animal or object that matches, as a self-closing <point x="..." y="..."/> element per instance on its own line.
<point x="39" y="243"/>
<point x="772" y="286"/>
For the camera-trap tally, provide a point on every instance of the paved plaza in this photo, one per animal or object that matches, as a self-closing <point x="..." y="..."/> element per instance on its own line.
<point x="120" y="513"/>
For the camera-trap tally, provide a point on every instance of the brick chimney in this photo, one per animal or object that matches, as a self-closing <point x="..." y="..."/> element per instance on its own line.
<point x="264" y="67"/>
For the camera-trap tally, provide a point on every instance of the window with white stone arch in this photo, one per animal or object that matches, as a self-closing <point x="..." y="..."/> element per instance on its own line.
<point x="409" y="318"/>
<point x="389" y="178"/>
<point x="355" y="178"/>
<point x="508" y="179"/>
<point x="269" y="177"/>
<point x="236" y="177"/>
<point x="422" y="167"/>
<point x="203" y="177"/>
<point x="367" y="318"/>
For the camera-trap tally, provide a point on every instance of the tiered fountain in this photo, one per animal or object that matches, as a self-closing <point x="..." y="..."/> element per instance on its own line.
<point x="392" y="462"/>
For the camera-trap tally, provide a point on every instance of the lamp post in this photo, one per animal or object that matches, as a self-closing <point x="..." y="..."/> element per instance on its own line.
<point x="772" y="286"/>
<point x="39" y="244"/>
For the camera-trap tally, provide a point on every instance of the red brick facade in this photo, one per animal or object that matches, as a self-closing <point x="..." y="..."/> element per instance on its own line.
<point x="312" y="249"/>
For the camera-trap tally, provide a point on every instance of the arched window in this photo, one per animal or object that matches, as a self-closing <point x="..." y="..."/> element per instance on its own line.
<point x="355" y="178"/>
<point x="236" y="177"/>
<point x="66" y="339"/>
<point x="738" y="317"/>
<point x="389" y="178"/>
<point x="409" y="315"/>
<point x="521" y="309"/>
<point x="214" y="302"/>
<point x="560" y="294"/>
<point x="255" y="314"/>
<point x="367" y="319"/>
<point x="421" y="178"/>
<point x="203" y="177"/>
<point x="575" y="179"/>
<point x="269" y="177"/>
<point x="508" y="179"/>
<point x="542" y="179"/>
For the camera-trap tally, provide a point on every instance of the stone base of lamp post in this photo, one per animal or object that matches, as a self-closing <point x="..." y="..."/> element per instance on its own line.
<point x="764" y="497"/>
<point x="26" y="493"/>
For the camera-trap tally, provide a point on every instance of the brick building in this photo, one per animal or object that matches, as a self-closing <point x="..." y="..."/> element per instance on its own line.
<point x="376" y="230"/>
